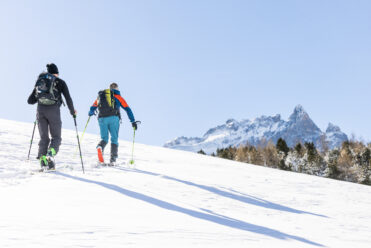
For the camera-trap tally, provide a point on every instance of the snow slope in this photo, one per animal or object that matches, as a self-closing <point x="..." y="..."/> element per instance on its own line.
<point x="170" y="198"/>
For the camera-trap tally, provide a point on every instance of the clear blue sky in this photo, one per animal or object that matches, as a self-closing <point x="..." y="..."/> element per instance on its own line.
<point x="186" y="66"/>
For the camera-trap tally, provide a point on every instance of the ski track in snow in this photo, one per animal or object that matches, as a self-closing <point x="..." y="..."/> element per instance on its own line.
<point x="169" y="198"/>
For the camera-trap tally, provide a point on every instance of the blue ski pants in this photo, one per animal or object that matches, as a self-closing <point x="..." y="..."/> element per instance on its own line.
<point x="111" y="125"/>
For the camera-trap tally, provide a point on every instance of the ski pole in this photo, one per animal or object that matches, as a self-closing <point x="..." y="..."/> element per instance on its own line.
<point x="132" y="151"/>
<point x="33" y="132"/>
<point x="78" y="142"/>
<point x="82" y="136"/>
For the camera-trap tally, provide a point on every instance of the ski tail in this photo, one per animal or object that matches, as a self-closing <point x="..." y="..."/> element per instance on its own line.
<point x="100" y="154"/>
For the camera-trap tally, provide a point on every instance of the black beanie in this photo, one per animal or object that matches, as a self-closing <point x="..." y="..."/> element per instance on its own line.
<point x="52" y="68"/>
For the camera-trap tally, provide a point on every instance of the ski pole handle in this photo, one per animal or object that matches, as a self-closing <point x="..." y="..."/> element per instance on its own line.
<point x="135" y="124"/>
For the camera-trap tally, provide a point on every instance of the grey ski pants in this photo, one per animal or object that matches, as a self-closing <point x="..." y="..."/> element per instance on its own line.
<point x="49" y="119"/>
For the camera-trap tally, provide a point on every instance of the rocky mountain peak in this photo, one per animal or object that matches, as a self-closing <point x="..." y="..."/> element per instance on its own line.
<point x="231" y="121"/>
<point x="331" y="128"/>
<point x="298" y="114"/>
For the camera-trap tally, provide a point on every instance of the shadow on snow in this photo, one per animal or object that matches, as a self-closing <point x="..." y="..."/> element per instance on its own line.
<point x="243" y="198"/>
<point x="217" y="219"/>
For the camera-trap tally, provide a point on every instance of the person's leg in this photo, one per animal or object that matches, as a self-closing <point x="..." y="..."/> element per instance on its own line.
<point x="43" y="126"/>
<point x="114" y="152"/>
<point x="55" y="125"/>
<point x="114" y="127"/>
<point x="103" y="126"/>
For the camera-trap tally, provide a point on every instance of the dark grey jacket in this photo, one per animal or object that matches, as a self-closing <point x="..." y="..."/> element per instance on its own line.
<point x="62" y="89"/>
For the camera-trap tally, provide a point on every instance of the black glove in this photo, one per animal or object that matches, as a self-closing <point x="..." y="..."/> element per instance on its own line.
<point x="134" y="125"/>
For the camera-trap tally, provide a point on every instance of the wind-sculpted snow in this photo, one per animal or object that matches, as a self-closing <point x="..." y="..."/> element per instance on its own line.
<point x="169" y="198"/>
<point x="299" y="128"/>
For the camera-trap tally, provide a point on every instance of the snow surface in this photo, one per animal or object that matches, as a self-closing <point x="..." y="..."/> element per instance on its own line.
<point x="169" y="198"/>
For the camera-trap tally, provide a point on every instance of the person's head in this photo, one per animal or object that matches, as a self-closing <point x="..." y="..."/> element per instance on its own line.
<point x="52" y="69"/>
<point x="114" y="86"/>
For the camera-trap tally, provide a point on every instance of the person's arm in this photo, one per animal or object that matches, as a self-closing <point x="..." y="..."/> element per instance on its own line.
<point x="93" y="108"/>
<point x="68" y="98"/>
<point x="126" y="107"/>
<point x="32" y="98"/>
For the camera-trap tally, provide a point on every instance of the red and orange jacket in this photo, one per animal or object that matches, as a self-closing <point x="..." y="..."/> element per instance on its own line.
<point x="119" y="102"/>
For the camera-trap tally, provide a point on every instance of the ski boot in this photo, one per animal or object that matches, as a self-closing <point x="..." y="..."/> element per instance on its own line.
<point x="100" y="150"/>
<point x="112" y="162"/>
<point x="114" y="150"/>
<point x="50" y="158"/>
<point x="43" y="163"/>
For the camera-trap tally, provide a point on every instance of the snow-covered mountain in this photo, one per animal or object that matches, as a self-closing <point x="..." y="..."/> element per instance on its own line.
<point x="169" y="198"/>
<point x="299" y="128"/>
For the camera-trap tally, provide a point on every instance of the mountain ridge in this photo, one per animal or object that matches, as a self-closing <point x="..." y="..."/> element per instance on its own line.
<point x="298" y="128"/>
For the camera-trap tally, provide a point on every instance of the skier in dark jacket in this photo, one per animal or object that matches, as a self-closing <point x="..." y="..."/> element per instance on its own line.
<point x="109" y="119"/>
<point x="49" y="117"/>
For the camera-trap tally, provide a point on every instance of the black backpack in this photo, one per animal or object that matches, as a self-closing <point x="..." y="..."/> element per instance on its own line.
<point x="46" y="91"/>
<point x="106" y="103"/>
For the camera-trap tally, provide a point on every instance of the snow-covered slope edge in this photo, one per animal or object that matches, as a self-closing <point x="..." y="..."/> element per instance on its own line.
<point x="299" y="128"/>
<point x="169" y="199"/>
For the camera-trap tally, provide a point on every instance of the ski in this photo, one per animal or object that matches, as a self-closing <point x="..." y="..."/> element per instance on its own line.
<point x="47" y="170"/>
<point x="42" y="170"/>
<point x="115" y="164"/>
<point x="100" y="155"/>
<point x="106" y="164"/>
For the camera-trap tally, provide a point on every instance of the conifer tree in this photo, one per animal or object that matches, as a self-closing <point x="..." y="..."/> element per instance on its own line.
<point x="201" y="152"/>
<point x="362" y="160"/>
<point x="299" y="149"/>
<point x="282" y="146"/>
<point x="311" y="151"/>
<point x="332" y="163"/>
